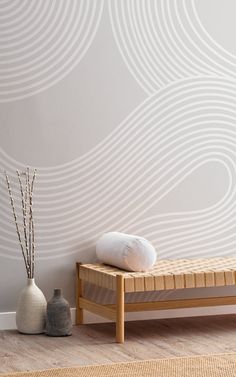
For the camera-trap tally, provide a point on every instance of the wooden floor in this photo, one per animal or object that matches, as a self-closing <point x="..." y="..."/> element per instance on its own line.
<point x="95" y="344"/>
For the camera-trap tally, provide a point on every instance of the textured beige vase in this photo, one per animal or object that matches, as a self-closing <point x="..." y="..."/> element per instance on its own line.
<point x="31" y="310"/>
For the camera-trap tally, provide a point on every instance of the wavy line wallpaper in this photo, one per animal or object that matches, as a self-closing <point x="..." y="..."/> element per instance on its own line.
<point x="127" y="109"/>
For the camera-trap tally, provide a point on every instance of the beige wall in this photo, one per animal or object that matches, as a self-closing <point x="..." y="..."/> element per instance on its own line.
<point x="127" y="109"/>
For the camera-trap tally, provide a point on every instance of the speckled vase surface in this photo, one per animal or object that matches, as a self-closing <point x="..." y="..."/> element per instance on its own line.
<point x="31" y="310"/>
<point x="58" y="318"/>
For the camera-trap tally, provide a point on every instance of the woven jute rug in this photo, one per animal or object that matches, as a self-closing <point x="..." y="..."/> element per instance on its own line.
<point x="223" y="365"/>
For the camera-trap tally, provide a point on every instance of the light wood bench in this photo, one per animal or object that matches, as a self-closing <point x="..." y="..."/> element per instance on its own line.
<point x="165" y="275"/>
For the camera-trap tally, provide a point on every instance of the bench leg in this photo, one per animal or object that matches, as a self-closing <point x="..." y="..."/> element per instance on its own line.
<point x="120" y="307"/>
<point x="79" y="293"/>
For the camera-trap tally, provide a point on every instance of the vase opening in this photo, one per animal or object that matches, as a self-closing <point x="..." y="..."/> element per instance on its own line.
<point x="57" y="292"/>
<point x="30" y="281"/>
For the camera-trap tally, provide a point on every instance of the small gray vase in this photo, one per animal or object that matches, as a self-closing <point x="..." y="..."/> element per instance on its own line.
<point x="58" y="317"/>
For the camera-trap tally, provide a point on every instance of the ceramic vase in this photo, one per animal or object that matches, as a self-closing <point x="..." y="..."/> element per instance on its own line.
<point x="31" y="310"/>
<point x="58" y="318"/>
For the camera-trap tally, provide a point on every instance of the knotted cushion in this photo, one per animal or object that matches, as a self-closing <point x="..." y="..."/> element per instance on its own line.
<point x="128" y="252"/>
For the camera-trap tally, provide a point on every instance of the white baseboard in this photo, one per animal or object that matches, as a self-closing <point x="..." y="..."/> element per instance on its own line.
<point x="7" y="319"/>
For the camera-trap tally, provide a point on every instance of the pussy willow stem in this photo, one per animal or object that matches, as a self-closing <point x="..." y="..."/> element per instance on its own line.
<point x="32" y="220"/>
<point x="24" y="214"/>
<point x="16" y="224"/>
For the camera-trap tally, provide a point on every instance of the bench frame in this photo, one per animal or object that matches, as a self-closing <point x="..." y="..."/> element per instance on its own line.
<point x="116" y="312"/>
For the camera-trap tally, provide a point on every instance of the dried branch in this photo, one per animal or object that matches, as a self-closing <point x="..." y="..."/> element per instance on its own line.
<point x="16" y="223"/>
<point x="24" y="213"/>
<point x="28" y="234"/>
<point x="26" y="194"/>
<point x="29" y="223"/>
<point x="32" y="220"/>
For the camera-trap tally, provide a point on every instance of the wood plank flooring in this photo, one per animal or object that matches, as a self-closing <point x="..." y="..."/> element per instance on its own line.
<point x="95" y="344"/>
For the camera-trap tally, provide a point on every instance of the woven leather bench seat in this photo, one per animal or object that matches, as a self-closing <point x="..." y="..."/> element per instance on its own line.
<point x="168" y="274"/>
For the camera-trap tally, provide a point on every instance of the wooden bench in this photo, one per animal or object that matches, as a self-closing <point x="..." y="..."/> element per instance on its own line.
<point x="165" y="275"/>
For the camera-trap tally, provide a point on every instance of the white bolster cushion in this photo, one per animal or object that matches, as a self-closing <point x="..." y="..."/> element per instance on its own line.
<point x="128" y="252"/>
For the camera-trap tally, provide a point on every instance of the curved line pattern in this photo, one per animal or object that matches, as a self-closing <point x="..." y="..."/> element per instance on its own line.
<point x="42" y="42"/>
<point x="164" y="41"/>
<point x="187" y="122"/>
<point x="171" y="135"/>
